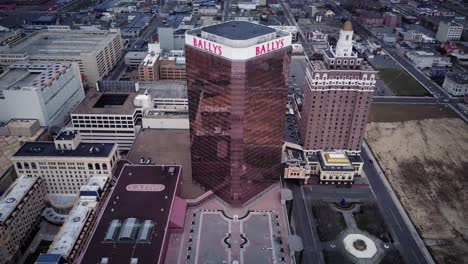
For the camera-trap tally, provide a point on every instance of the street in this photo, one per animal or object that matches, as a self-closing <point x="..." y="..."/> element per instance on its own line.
<point x="404" y="100"/>
<point x="227" y="8"/>
<point x="304" y="225"/>
<point x="412" y="251"/>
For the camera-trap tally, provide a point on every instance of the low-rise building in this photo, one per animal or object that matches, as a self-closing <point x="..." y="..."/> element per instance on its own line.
<point x="172" y="66"/>
<point x="424" y="59"/>
<point x="456" y="84"/>
<point x="44" y="91"/>
<point x="20" y="128"/>
<point x="20" y="214"/>
<point x="75" y="230"/>
<point x="77" y="224"/>
<point x="318" y="40"/>
<point x="127" y="232"/>
<point x="390" y="19"/>
<point x="291" y="29"/>
<point x="336" y="166"/>
<point x="137" y="23"/>
<point x="168" y="65"/>
<point x="134" y="58"/>
<point x="389" y="38"/>
<point x="370" y="19"/>
<point x="65" y="164"/>
<point x="149" y="67"/>
<point x="331" y="167"/>
<point x="414" y="36"/>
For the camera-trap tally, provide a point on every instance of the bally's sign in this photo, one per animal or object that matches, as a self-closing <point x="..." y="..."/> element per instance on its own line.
<point x="237" y="53"/>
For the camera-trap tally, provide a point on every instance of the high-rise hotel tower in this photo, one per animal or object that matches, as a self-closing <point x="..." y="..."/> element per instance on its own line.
<point x="337" y="97"/>
<point x="237" y="77"/>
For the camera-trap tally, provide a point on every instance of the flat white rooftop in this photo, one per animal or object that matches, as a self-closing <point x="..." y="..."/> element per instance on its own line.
<point x="70" y="231"/>
<point x="13" y="196"/>
<point x="32" y="76"/>
<point x="64" y="42"/>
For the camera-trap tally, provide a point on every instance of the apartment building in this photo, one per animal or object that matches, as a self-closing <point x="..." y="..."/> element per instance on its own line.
<point x="95" y="51"/>
<point x="449" y="31"/>
<point x="149" y="67"/>
<point x="44" y="91"/>
<point x="172" y="66"/>
<point x="157" y="65"/>
<point x="65" y="164"/>
<point x="337" y="97"/>
<point x="20" y="214"/>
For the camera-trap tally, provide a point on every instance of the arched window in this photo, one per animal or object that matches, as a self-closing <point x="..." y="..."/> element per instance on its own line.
<point x="104" y="166"/>
<point x="19" y="166"/>
<point x="97" y="166"/>
<point x="33" y="166"/>
<point x="26" y="166"/>
<point x="90" y="166"/>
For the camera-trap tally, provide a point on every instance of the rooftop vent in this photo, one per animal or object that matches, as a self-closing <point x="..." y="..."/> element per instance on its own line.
<point x="35" y="150"/>
<point x="145" y="231"/>
<point x="94" y="150"/>
<point x="129" y="229"/>
<point x="112" y="231"/>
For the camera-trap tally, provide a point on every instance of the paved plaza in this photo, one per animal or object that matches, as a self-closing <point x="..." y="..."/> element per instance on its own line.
<point x="214" y="232"/>
<point x="252" y="238"/>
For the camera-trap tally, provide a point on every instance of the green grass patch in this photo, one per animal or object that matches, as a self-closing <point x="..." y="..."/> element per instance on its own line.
<point x="408" y="112"/>
<point x="401" y="83"/>
<point x="329" y="222"/>
<point x="369" y="219"/>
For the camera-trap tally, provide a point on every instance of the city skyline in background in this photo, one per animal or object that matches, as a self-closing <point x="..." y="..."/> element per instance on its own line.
<point x="226" y="131"/>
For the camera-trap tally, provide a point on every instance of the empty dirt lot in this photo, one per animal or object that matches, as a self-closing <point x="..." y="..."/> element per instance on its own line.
<point x="425" y="160"/>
